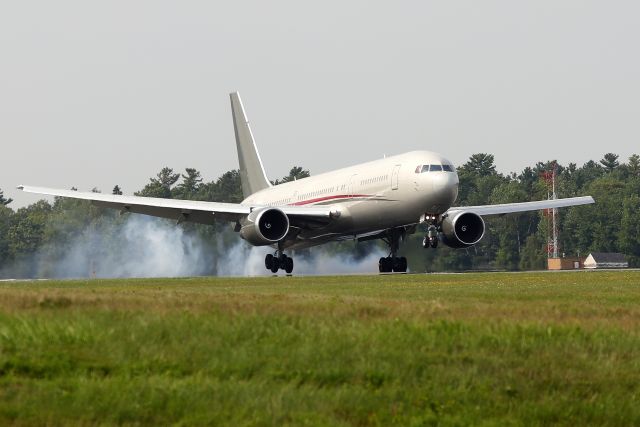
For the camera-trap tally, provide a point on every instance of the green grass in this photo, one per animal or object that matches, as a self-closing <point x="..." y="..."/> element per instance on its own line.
<point x="410" y="350"/>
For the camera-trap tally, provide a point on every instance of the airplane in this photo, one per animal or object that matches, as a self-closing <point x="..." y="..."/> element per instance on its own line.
<point x="382" y="199"/>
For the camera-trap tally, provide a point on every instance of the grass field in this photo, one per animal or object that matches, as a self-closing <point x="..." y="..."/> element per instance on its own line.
<point x="410" y="350"/>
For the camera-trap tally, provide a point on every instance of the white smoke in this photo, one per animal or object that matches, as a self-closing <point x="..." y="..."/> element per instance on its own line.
<point x="139" y="247"/>
<point x="142" y="246"/>
<point x="241" y="259"/>
<point x="324" y="262"/>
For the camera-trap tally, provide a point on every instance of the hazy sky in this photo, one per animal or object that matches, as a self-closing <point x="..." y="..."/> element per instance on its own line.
<point x="104" y="93"/>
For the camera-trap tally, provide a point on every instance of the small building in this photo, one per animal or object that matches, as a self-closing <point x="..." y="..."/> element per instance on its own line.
<point x="606" y="260"/>
<point x="564" y="263"/>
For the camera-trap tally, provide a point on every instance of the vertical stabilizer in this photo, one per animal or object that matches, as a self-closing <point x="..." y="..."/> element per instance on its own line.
<point x="251" y="171"/>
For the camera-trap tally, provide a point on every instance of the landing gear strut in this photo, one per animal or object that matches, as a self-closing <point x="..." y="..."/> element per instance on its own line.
<point x="392" y="262"/>
<point x="431" y="238"/>
<point x="278" y="261"/>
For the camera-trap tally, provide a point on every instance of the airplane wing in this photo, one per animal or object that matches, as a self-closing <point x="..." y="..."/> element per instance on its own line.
<point x="182" y="210"/>
<point x="507" y="208"/>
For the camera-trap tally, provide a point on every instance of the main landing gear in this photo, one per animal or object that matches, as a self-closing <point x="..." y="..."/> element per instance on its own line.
<point x="278" y="261"/>
<point x="392" y="262"/>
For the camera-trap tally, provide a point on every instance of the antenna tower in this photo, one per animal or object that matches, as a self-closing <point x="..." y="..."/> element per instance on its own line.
<point x="551" y="214"/>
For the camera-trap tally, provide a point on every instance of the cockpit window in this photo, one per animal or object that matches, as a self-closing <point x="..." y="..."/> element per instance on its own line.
<point x="434" y="168"/>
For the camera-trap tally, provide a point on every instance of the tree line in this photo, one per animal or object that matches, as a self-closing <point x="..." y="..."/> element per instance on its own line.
<point x="35" y="237"/>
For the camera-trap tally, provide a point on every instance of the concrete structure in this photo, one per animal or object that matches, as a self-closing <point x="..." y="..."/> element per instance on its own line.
<point x="605" y="260"/>
<point x="564" y="263"/>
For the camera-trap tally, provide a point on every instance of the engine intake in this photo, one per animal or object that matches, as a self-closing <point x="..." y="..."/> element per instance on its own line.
<point x="264" y="226"/>
<point x="462" y="230"/>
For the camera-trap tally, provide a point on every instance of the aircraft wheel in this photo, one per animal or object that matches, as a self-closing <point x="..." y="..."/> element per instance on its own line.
<point x="268" y="261"/>
<point x="389" y="264"/>
<point x="402" y="264"/>
<point x="384" y="265"/>
<point x="425" y="242"/>
<point x="288" y="265"/>
<point x="434" y="242"/>
<point x="275" y="265"/>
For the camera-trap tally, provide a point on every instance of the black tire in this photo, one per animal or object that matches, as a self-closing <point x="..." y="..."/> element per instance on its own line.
<point x="288" y="265"/>
<point x="402" y="264"/>
<point x="268" y="261"/>
<point x="381" y="265"/>
<point x="425" y="242"/>
<point x="434" y="242"/>
<point x="275" y="266"/>
<point x="388" y="265"/>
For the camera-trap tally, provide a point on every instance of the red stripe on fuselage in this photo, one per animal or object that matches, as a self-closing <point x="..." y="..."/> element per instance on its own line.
<point x="322" y="199"/>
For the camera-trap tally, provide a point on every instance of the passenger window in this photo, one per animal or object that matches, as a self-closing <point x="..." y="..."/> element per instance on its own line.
<point x="425" y="168"/>
<point x="436" y="168"/>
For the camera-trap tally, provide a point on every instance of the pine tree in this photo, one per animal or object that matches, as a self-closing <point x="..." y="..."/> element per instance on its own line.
<point x="630" y="228"/>
<point x="610" y="162"/>
<point x="295" y="173"/>
<point x="160" y="186"/>
<point x="4" y="201"/>
<point x="634" y="165"/>
<point x="480" y="164"/>
<point x="190" y="185"/>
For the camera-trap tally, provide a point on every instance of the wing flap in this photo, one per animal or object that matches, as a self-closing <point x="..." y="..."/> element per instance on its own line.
<point x="178" y="215"/>
<point x="182" y="210"/>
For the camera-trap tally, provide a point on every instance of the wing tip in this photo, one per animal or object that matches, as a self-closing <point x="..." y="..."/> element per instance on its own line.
<point x="20" y="187"/>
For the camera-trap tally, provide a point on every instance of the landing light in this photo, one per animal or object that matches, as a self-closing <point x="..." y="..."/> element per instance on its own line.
<point x="427" y="217"/>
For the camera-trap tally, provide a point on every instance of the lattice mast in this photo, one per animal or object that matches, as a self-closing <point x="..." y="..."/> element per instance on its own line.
<point x="552" y="214"/>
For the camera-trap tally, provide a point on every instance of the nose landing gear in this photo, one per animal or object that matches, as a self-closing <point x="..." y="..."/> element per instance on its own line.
<point x="431" y="238"/>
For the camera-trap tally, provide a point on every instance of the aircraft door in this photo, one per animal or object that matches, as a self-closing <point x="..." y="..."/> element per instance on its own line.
<point x="394" y="177"/>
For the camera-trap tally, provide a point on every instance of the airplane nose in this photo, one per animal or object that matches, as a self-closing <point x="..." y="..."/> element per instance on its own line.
<point x="445" y="187"/>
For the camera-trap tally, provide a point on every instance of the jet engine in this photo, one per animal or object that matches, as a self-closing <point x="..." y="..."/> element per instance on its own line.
<point x="462" y="230"/>
<point x="264" y="226"/>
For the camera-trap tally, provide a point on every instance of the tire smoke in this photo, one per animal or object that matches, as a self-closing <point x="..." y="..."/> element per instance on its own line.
<point x="245" y="260"/>
<point x="142" y="246"/>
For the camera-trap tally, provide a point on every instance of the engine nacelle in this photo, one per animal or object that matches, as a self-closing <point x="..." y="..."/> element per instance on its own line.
<point x="462" y="230"/>
<point x="264" y="226"/>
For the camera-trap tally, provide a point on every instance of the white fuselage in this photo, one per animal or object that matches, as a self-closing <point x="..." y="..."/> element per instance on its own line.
<point x="378" y="195"/>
